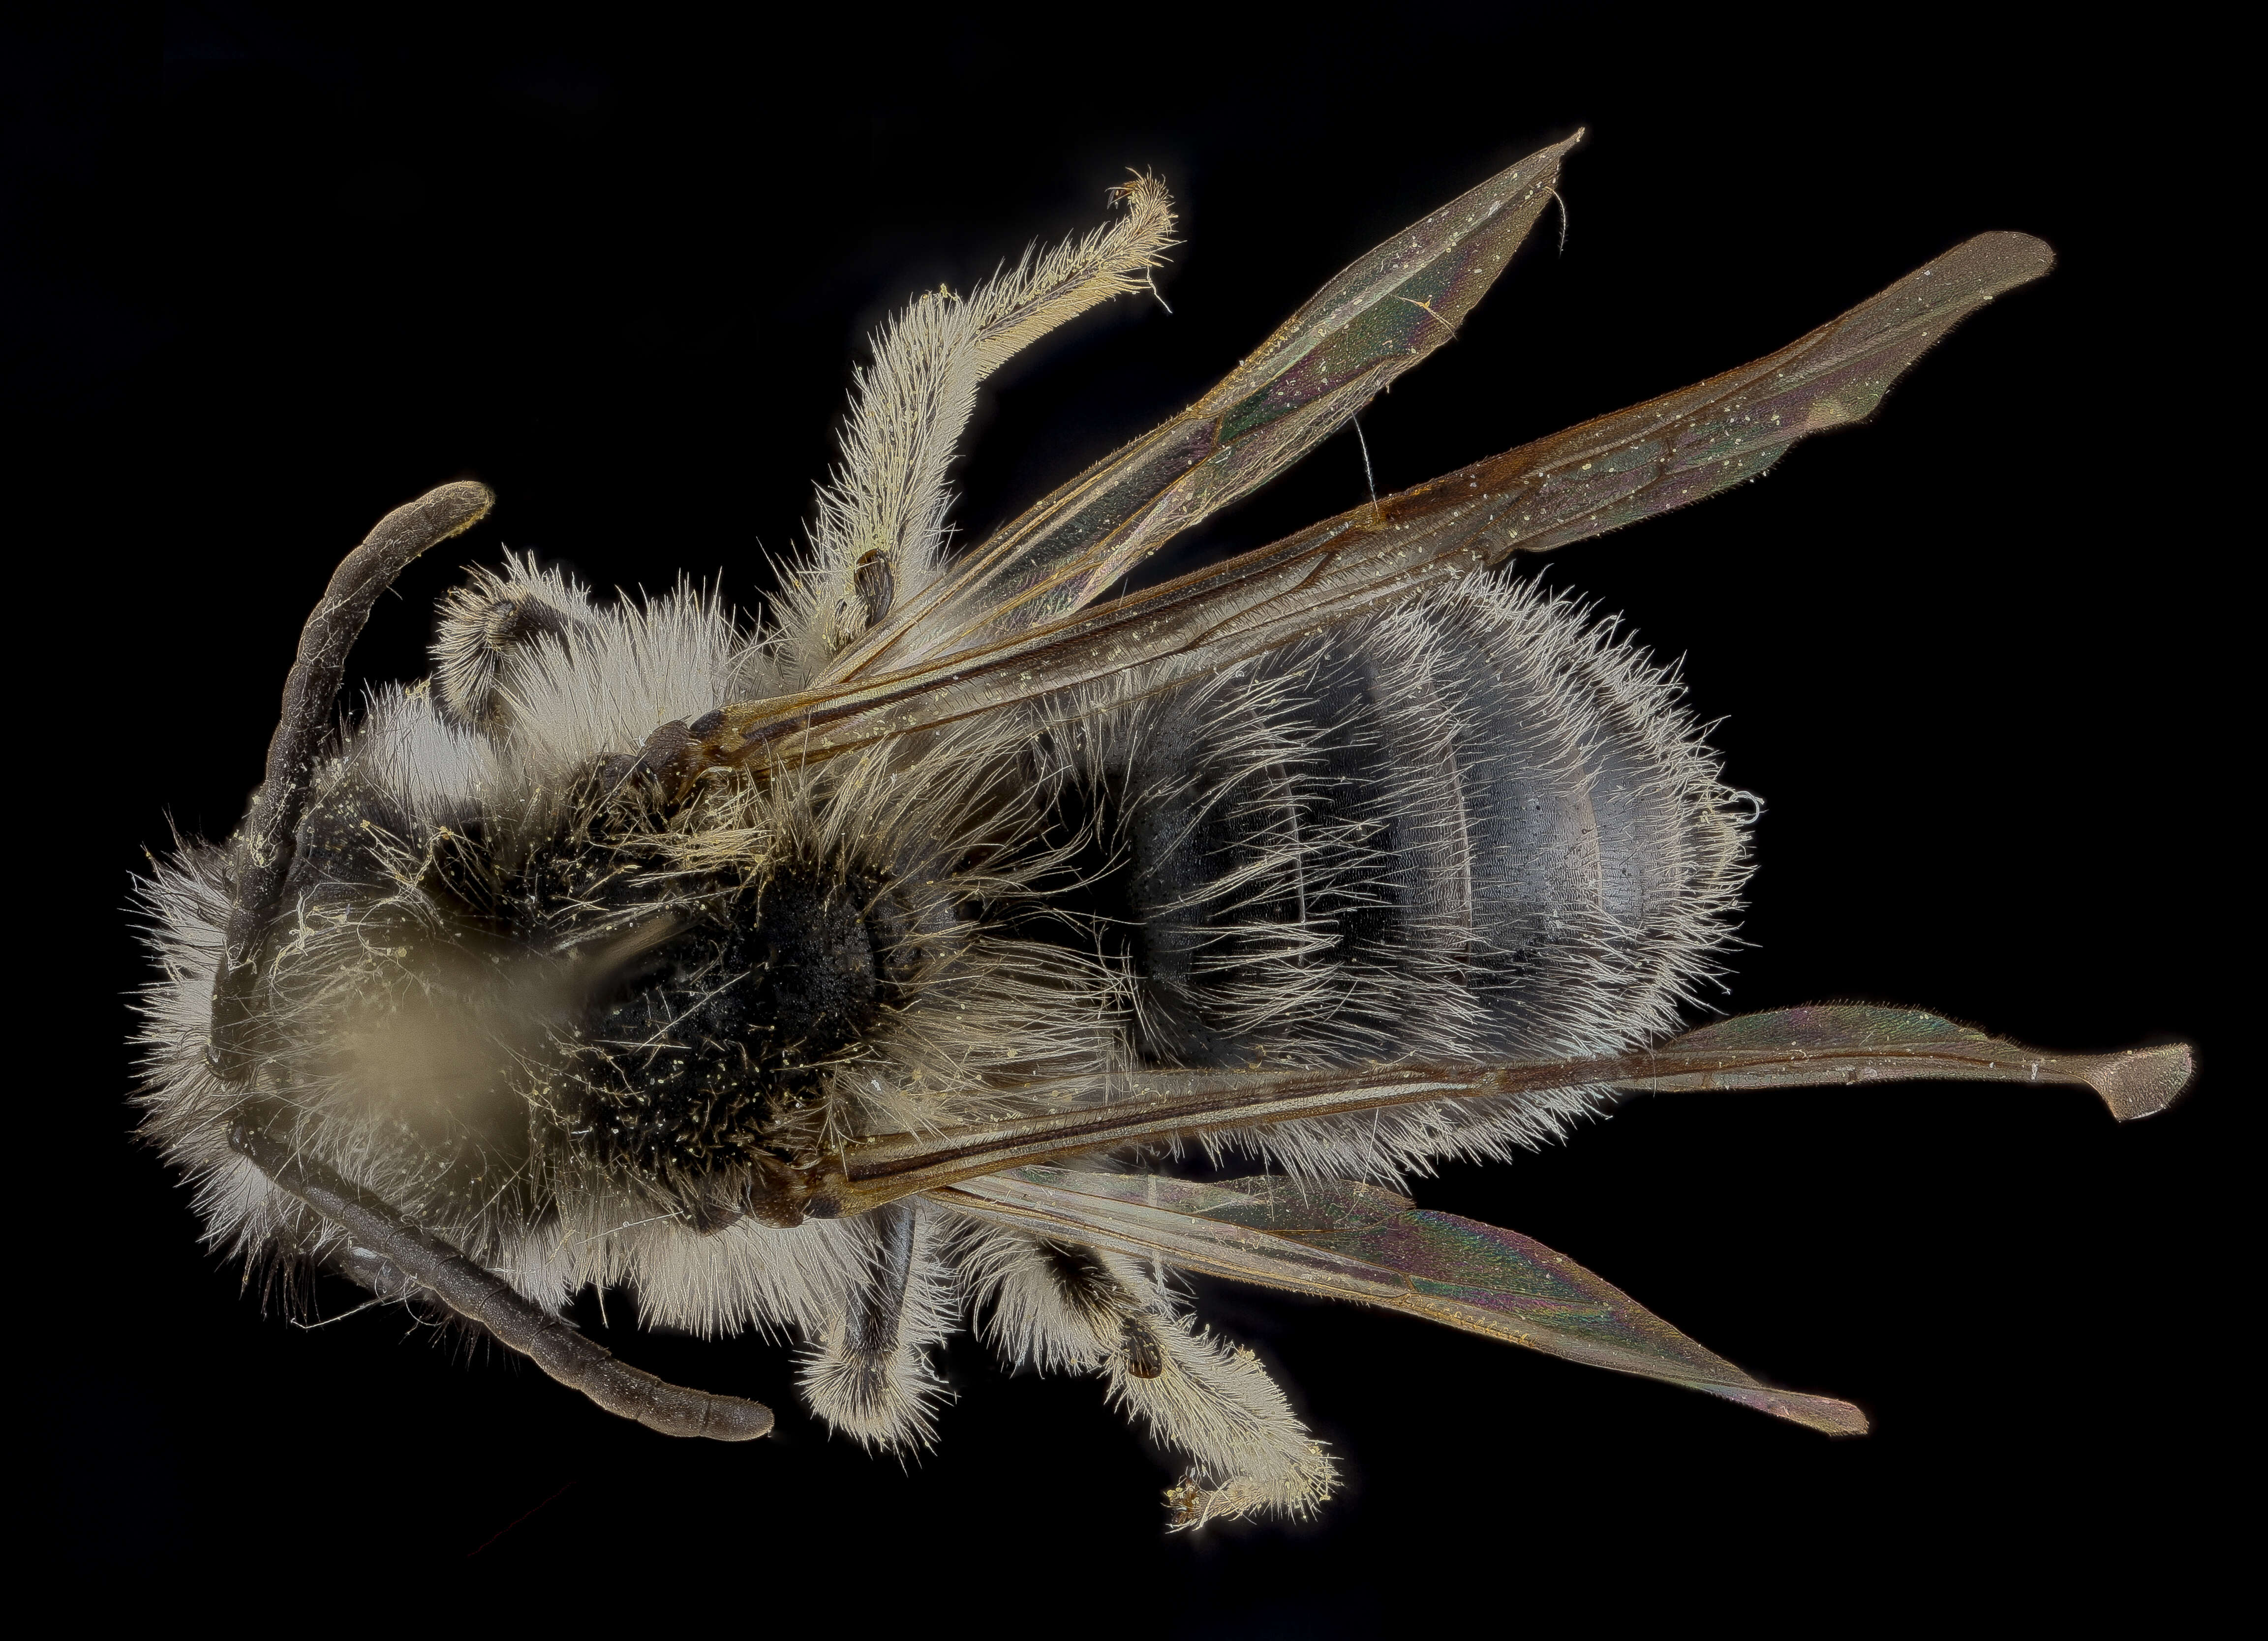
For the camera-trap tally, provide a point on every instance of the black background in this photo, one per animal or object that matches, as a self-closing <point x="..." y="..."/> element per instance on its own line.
<point x="274" y="276"/>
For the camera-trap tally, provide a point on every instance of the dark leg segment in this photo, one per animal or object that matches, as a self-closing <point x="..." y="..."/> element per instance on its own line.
<point x="482" y="625"/>
<point x="869" y="1377"/>
<point x="878" y="1310"/>
<point x="477" y="1295"/>
<point x="1103" y="1301"/>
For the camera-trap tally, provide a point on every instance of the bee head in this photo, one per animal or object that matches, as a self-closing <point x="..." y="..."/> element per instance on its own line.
<point x="458" y="1009"/>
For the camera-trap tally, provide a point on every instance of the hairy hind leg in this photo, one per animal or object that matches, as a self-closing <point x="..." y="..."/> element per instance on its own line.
<point x="1054" y="1306"/>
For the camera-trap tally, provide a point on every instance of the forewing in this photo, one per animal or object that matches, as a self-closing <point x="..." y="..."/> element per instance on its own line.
<point x="1380" y="318"/>
<point x="1860" y="1042"/>
<point x="1836" y="1043"/>
<point x="1349" y="1241"/>
<point x="1594" y="478"/>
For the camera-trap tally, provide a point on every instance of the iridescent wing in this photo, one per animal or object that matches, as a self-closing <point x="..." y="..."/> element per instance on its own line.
<point x="1351" y="1241"/>
<point x="1605" y="473"/>
<point x="1344" y="1240"/>
<point x="1379" y="318"/>
<point x="1840" y="1043"/>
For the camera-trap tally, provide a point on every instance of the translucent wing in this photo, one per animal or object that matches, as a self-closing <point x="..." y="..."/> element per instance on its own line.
<point x="1840" y="1043"/>
<point x="1349" y="1241"/>
<point x="1596" y="477"/>
<point x="1378" y="318"/>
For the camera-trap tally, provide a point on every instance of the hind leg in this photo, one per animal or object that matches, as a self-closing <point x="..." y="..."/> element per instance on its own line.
<point x="1054" y="1307"/>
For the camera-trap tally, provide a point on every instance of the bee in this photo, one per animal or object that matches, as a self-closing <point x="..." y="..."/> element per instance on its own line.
<point x="980" y="939"/>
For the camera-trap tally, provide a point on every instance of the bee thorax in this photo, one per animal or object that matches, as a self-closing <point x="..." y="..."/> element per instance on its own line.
<point x="704" y="1062"/>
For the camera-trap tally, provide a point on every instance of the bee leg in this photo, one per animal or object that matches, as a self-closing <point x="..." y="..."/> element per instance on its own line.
<point x="876" y="1314"/>
<point x="1059" y="1307"/>
<point x="871" y="1376"/>
<point x="880" y="538"/>
<point x="1212" y="1399"/>
<point x="1118" y="1320"/>
<point x="398" y="1253"/>
<point x="867" y="600"/>
<point x="484" y="625"/>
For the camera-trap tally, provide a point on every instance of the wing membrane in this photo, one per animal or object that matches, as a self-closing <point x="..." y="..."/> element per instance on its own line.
<point x="1379" y="318"/>
<point x="1605" y="473"/>
<point x="1349" y="1241"/>
<point x="1840" y="1043"/>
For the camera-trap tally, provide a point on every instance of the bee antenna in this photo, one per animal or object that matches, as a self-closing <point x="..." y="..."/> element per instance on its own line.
<point x="265" y="841"/>
<point x="486" y="1300"/>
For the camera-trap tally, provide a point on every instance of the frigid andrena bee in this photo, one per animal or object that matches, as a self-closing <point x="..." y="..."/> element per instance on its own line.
<point x="865" y="974"/>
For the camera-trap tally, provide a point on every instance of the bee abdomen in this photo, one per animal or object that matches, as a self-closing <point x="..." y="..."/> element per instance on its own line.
<point x="1475" y="826"/>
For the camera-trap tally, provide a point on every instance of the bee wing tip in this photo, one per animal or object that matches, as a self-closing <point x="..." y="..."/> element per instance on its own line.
<point x="2143" y="1082"/>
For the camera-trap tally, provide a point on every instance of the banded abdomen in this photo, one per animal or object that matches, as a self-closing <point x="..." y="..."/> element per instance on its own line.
<point x="1477" y="825"/>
